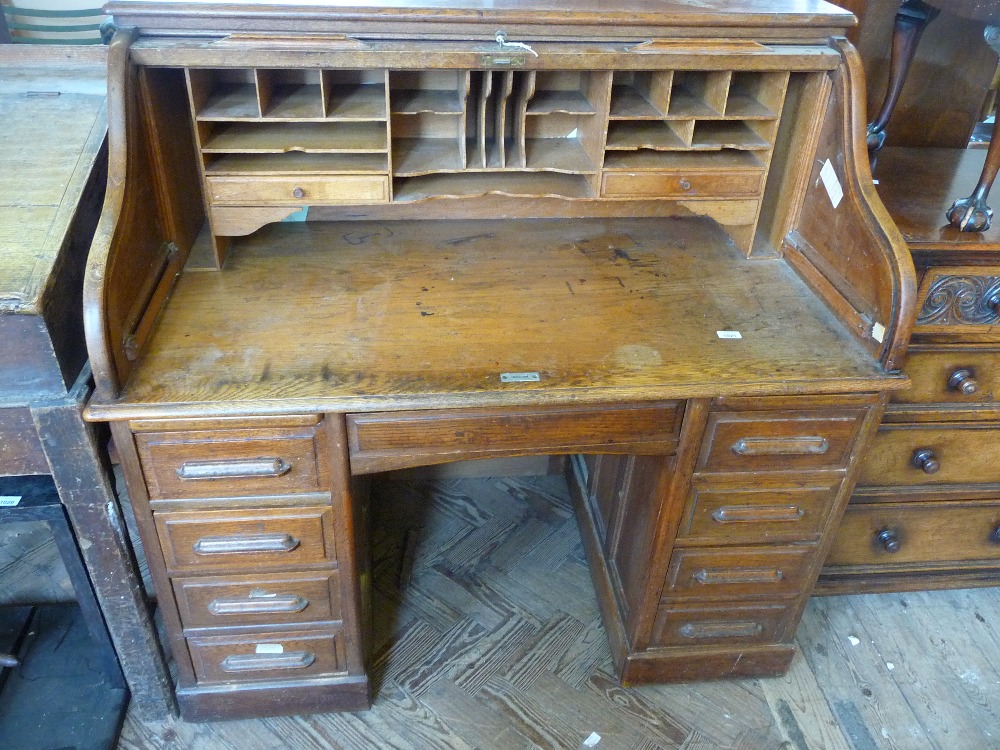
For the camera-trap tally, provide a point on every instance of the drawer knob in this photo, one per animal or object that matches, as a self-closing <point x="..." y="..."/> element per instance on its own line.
<point x="963" y="381"/>
<point x="299" y="192"/>
<point x="685" y="184"/>
<point x="995" y="535"/>
<point x="925" y="460"/>
<point x="888" y="539"/>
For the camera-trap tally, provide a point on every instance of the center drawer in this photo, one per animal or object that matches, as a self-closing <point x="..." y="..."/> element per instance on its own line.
<point x="299" y="191"/>
<point x="252" y="539"/>
<point x="398" y="440"/>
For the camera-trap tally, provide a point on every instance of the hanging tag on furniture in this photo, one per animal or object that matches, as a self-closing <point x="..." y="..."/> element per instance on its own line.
<point x="834" y="189"/>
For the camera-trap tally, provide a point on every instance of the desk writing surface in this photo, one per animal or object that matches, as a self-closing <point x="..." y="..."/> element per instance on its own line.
<point x="53" y="124"/>
<point x="390" y="315"/>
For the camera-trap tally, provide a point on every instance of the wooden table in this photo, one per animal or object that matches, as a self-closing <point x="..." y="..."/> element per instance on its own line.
<point x="53" y="122"/>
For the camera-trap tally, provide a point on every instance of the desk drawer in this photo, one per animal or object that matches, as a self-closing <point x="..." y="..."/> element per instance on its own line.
<point x="283" y="655"/>
<point x="230" y="463"/>
<point x="717" y="514"/>
<point x="951" y="376"/>
<point x="379" y="442"/>
<point x="776" y="441"/>
<point x="242" y="540"/>
<point x="299" y="191"/>
<point x="242" y="601"/>
<point x="927" y="454"/>
<point x="710" y="184"/>
<point x="894" y="534"/>
<point x="733" y="624"/>
<point x="739" y="571"/>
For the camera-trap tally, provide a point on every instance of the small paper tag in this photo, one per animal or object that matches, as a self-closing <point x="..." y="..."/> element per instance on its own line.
<point x="519" y="377"/>
<point x="9" y="501"/>
<point x="270" y="648"/>
<point x="300" y="215"/>
<point x="833" y="188"/>
<point x="729" y="334"/>
<point x="878" y="332"/>
<point x="592" y="740"/>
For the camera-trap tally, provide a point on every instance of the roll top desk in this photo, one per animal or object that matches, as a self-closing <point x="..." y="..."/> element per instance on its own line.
<point x="341" y="239"/>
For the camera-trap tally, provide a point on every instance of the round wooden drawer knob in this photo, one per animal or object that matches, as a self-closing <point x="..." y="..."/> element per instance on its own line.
<point x="995" y="535"/>
<point x="888" y="540"/>
<point x="925" y="460"/>
<point x="685" y="185"/>
<point x="962" y="381"/>
<point x="299" y="193"/>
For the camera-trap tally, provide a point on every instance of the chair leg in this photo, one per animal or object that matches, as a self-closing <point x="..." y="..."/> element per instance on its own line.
<point x="912" y="18"/>
<point x="972" y="214"/>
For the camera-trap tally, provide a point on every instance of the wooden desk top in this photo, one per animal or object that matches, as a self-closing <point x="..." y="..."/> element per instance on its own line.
<point x="538" y="18"/>
<point x="918" y="185"/>
<point x="52" y="127"/>
<point x="420" y="314"/>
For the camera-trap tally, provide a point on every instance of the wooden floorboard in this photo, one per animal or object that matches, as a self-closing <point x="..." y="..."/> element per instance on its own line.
<point x="490" y="639"/>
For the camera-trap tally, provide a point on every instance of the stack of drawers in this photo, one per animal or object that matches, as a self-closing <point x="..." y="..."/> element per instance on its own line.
<point x="768" y="481"/>
<point x="247" y="533"/>
<point x="926" y="511"/>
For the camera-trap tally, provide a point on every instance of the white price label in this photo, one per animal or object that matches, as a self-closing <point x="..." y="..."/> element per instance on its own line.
<point x="729" y="334"/>
<point x="9" y="501"/>
<point x="833" y="187"/>
<point x="270" y="648"/>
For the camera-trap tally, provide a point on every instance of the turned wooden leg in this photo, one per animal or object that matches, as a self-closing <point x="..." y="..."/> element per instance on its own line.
<point x="972" y="214"/>
<point x="911" y="20"/>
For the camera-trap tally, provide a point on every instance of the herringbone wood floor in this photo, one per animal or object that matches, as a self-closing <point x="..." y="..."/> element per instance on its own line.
<point x="488" y="636"/>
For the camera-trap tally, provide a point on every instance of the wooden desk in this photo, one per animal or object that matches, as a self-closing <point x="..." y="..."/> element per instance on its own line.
<point x="612" y="242"/>
<point x="53" y="161"/>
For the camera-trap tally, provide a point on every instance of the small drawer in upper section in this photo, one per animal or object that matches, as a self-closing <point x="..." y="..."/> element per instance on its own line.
<point x="258" y="599"/>
<point x="232" y="462"/>
<point x="930" y="454"/>
<point x="779" y="440"/>
<point x="683" y="184"/>
<point x="951" y="375"/>
<point x="396" y="440"/>
<point x="740" y="571"/>
<point x="309" y="190"/>
<point x="724" y="514"/>
<point x="241" y="540"/>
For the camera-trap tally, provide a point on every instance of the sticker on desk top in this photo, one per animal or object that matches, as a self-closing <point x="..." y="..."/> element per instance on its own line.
<point x="592" y="740"/>
<point x="270" y="648"/>
<point x="519" y="377"/>
<point x="833" y="187"/>
<point x="9" y="501"/>
<point x="729" y="334"/>
<point x="878" y="332"/>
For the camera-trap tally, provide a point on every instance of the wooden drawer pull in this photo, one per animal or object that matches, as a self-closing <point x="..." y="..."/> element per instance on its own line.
<point x="925" y="460"/>
<point x="717" y="576"/>
<point x="224" y="545"/>
<point x="963" y="381"/>
<point x="254" y="467"/>
<point x="888" y="539"/>
<point x="757" y="513"/>
<point x="781" y="446"/>
<point x="721" y="629"/>
<point x="259" y="603"/>
<point x="261" y="662"/>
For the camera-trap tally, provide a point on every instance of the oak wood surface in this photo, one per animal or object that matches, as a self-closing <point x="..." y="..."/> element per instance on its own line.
<point x="456" y="306"/>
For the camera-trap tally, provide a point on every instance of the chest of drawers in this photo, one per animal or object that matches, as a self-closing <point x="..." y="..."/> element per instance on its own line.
<point x="387" y="236"/>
